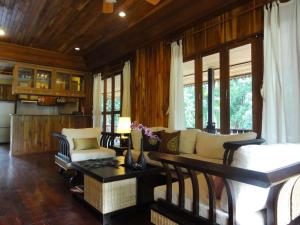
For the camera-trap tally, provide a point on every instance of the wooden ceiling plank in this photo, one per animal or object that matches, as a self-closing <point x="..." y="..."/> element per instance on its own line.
<point x="177" y="19"/>
<point x="118" y="31"/>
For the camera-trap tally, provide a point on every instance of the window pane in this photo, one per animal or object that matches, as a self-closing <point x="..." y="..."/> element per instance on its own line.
<point x="241" y="88"/>
<point x="108" y="94"/>
<point x="108" y="123"/>
<point x="116" y="121"/>
<point x="118" y="92"/>
<point x="189" y="93"/>
<point x="211" y="62"/>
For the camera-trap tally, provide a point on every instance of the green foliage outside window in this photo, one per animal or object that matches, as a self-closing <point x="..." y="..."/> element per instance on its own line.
<point x="240" y="103"/>
<point x="189" y="106"/>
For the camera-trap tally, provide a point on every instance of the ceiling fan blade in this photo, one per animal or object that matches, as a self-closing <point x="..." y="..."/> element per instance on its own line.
<point x="153" y="2"/>
<point x="107" y="7"/>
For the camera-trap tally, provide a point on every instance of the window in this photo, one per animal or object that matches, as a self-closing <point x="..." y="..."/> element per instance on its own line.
<point x="111" y="102"/>
<point x="237" y="79"/>
<point x="189" y="93"/>
<point x="211" y="62"/>
<point x="240" y="88"/>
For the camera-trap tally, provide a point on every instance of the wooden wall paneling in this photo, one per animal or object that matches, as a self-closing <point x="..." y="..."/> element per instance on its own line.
<point x="18" y="53"/>
<point x="150" y="85"/>
<point x="257" y="81"/>
<point x="87" y="102"/>
<point x="33" y="134"/>
<point x="198" y="92"/>
<point x="6" y="93"/>
<point x="237" y="23"/>
<point x="225" y="91"/>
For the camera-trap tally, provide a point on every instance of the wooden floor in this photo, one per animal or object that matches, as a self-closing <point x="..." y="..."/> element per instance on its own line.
<point x="33" y="192"/>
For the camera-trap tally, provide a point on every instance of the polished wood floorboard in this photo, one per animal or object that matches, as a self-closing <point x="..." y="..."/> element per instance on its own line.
<point x="32" y="192"/>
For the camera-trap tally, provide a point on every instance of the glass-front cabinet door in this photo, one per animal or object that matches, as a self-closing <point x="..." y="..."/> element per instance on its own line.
<point x="77" y="84"/>
<point x="62" y="81"/>
<point x="43" y="79"/>
<point x="25" y="77"/>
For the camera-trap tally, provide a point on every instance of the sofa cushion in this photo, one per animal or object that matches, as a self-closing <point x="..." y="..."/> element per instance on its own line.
<point x="187" y="142"/>
<point x="211" y="145"/>
<point x="81" y="133"/>
<point x="136" y="136"/>
<point x="85" y="143"/>
<point x="101" y="153"/>
<point x="262" y="158"/>
<point x="169" y="142"/>
<point x="151" y="144"/>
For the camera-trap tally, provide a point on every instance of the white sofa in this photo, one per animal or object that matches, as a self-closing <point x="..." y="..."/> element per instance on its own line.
<point x="250" y="200"/>
<point x="193" y="143"/>
<point x="67" y="153"/>
<point x="81" y="155"/>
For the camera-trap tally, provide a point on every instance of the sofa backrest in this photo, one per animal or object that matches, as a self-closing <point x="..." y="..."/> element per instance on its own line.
<point x="263" y="158"/>
<point x="80" y="133"/>
<point x="211" y="145"/>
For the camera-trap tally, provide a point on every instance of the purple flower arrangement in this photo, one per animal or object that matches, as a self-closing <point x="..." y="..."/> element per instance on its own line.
<point x="147" y="131"/>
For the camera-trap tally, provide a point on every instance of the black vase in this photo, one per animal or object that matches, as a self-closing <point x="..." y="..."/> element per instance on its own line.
<point x="141" y="160"/>
<point x="128" y="157"/>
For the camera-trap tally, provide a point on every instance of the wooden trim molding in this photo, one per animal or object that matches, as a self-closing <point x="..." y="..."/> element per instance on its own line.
<point x="18" y="53"/>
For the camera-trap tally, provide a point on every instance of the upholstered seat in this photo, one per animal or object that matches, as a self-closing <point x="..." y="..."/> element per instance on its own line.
<point x="81" y="155"/>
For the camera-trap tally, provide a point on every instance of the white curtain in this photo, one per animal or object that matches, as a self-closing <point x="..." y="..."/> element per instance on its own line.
<point x="126" y="106"/>
<point x="176" y="100"/>
<point x="97" y="101"/>
<point x="281" y="88"/>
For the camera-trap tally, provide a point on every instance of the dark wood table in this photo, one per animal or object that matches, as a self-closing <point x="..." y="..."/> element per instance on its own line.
<point x="111" y="188"/>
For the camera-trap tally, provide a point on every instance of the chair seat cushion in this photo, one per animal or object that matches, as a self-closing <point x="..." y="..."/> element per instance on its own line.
<point x="101" y="153"/>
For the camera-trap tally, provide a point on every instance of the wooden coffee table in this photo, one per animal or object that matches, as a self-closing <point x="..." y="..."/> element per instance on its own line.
<point x="112" y="188"/>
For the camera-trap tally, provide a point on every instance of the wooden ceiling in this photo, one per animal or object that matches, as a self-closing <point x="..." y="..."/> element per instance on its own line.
<point x="61" y="25"/>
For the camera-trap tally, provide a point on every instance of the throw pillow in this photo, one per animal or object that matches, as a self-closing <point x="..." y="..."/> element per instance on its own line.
<point x="85" y="143"/>
<point x="169" y="142"/>
<point x="151" y="144"/>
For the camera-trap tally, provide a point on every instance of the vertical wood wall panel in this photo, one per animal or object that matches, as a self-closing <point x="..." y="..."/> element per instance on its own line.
<point x="150" y="85"/>
<point x="233" y="25"/>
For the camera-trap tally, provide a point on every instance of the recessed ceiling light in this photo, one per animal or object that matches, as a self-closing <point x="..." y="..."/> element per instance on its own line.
<point x="2" y="32"/>
<point x="122" y="14"/>
<point x="77" y="49"/>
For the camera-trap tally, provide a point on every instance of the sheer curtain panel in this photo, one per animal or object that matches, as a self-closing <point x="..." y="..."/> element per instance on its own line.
<point x="176" y="100"/>
<point x="281" y="88"/>
<point x="97" y="101"/>
<point x="126" y="105"/>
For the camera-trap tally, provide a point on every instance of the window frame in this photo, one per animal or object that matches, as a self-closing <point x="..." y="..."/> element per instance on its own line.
<point x="257" y="80"/>
<point x="113" y="112"/>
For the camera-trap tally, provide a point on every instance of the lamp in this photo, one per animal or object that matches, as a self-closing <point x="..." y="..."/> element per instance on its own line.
<point x="124" y="127"/>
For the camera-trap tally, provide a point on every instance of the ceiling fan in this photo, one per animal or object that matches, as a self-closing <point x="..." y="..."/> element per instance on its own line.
<point x="108" y="5"/>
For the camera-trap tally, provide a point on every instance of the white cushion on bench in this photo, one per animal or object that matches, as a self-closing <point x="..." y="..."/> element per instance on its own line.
<point x="81" y="155"/>
<point x="211" y="145"/>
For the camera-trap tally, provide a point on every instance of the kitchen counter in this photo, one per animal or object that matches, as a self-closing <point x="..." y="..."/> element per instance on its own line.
<point x="33" y="133"/>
